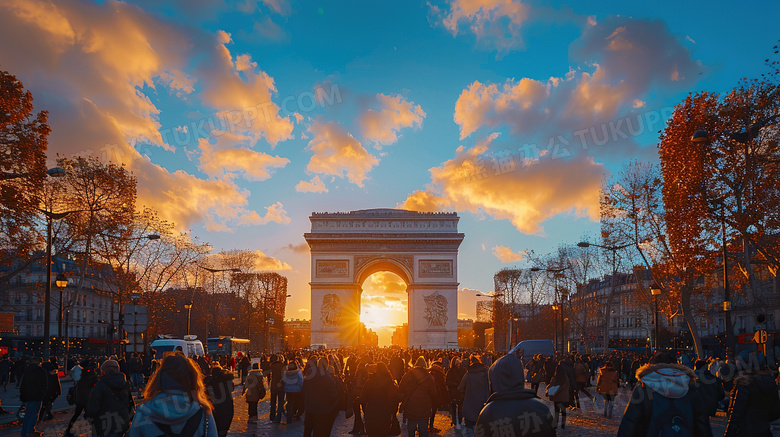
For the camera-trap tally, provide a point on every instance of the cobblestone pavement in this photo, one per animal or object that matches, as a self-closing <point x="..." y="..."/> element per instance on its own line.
<point x="580" y="423"/>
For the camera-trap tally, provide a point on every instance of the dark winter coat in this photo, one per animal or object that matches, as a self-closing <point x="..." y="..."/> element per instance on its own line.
<point x="754" y="403"/>
<point x="549" y="369"/>
<point x="320" y="395"/>
<point x="442" y="399"/>
<point x="454" y="376"/>
<point x="564" y="379"/>
<point x="380" y="398"/>
<point x="710" y="390"/>
<point x="110" y="405"/>
<point x="84" y="387"/>
<point x="219" y="387"/>
<point x="419" y="392"/>
<point x="53" y="389"/>
<point x="511" y="402"/>
<point x="35" y="382"/>
<point x="476" y="385"/>
<point x="397" y="367"/>
<point x="672" y="381"/>
<point x="608" y="381"/>
<point x="277" y="370"/>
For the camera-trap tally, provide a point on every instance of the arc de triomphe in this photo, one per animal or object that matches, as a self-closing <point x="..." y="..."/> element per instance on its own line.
<point x="421" y="248"/>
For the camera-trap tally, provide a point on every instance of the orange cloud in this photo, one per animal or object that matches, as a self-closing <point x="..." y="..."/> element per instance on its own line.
<point x="527" y="196"/>
<point x="315" y="185"/>
<point x="506" y="255"/>
<point x="255" y="166"/>
<point x="494" y="22"/>
<point x="338" y="153"/>
<point x="274" y="213"/>
<point x="394" y="114"/>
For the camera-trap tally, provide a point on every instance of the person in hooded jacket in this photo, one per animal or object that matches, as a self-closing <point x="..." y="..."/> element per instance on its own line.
<point x="607" y="385"/>
<point x="82" y="389"/>
<point x="476" y="386"/>
<point x="175" y="402"/>
<point x="32" y="390"/>
<point x="320" y="398"/>
<point x="564" y="379"/>
<point x="355" y="388"/>
<point x="219" y="387"/>
<point x="710" y="388"/>
<point x="665" y="397"/>
<point x="754" y="402"/>
<point x="442" y="399"/>
<point x="254" y="389"/>
<point x="293" y="384"/>
<point x="419" y="393"/>
<point x="380" y="397"/>
<point x="511" y="402"/>
<point x="110" y="404"/>
<point x="454" y="376"/>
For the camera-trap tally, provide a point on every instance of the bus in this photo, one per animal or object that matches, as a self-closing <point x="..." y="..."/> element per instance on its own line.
<point x="227" y="346"/>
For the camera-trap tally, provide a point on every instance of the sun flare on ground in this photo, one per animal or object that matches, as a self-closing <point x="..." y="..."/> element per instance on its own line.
<point x="384" y="305"/>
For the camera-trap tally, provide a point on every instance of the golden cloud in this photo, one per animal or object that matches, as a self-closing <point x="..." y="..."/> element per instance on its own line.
<point x="506" y="255"/>
<point x="338" y="153"/>
<point x="315" y="185"/>
<point x="394" y="114"/>
<point x="494" y="22"/>
<point x="255" y="166"/>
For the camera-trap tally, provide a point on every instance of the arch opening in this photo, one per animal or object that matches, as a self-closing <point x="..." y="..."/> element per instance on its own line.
<point x="384" y="307"/>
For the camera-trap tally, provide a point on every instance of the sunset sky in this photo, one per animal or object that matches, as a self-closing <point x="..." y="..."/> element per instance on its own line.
<point x="240" y="118"/>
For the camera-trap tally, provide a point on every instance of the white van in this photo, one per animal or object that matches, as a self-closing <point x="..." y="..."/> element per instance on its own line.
<point x="190" y="346"/>
<point x="529" y="348"/>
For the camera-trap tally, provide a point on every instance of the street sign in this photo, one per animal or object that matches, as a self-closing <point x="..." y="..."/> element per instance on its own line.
<point x="760" y="337"/>
<point x="135" y="342"/>
<point x="136" y="318"/>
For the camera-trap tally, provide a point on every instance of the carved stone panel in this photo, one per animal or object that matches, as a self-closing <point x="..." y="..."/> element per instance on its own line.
<point x="405" y="260"/>
<point x="435" y="268"/>
<point x="331" y="310"/>
<point x="435" y="310"/>
<point x="328" y="268"/>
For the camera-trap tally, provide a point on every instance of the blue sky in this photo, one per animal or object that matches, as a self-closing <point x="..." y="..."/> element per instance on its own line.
<point x="295" y="106"/>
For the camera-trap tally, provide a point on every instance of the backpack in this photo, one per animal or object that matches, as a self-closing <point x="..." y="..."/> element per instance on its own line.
<point x="671" y="417"/>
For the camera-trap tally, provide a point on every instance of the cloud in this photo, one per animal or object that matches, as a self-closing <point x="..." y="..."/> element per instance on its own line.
<point x="495" y="23"/>
<point x="268" y="263"/>
<point x="337" y="153"/>
<point x="274" y="213"/>
<point x="255" y="166"/>
<point x="533" y="192"/>
<point x="297" y="248"/>
<point x="94" y="66"/>
<point x="315" y="185"/>
<point x="394" y="114"/>
<point x="506" y="255"/>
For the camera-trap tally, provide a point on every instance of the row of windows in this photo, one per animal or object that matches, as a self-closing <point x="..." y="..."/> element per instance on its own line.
<point x="73" y="331"/>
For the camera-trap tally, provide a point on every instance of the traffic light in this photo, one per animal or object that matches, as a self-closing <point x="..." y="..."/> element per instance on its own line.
<point x="760" y="319"/>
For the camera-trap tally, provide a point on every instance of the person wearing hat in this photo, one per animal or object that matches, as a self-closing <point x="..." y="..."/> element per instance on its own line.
<point x="419" y="394"/>
<point x="476" y="386"/>
<point x="110" y="406"/>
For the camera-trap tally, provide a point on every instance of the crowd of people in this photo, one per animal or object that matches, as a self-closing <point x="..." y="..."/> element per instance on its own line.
<point x="378" y="389"/>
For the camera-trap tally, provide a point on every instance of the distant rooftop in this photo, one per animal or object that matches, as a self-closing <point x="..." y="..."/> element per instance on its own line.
<point x="384" y="212"/>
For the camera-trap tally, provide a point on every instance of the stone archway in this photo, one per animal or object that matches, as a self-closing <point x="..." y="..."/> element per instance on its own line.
<point x="421" y="248"/>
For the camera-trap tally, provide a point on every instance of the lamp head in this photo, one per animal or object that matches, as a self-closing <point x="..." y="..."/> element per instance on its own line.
<point x="61" y="281"/>
<point x="583" y="244"/>
<point x="700" y="136"/>
<point x="655" y="289"/>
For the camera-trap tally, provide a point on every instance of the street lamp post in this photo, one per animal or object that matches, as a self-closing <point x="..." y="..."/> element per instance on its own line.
<point x="655" y="290"/>
<point x="61" y="281"/>
<point x="559" y="303"/>
<point x="495" y="297"/>
<point x="608" y="314"/>
<point x="188" y="307"/>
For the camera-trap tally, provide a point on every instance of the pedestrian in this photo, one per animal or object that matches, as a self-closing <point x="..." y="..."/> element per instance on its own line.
<point x="136" y="367"/>
<point x="664" y="402"/>
<point x="607" y="385"/>
<point x="219" y="387"/>
<point x="355" y="388"/>
<point x="563" y="395"/>
<point x="380" y="397"/>
<point x="75" y="371"/>
<point x="243" y="367"/>
<point x="32" y="390"/>
<point x="18" y="370"/>
<point x="709" y="387"/>
<point x="442" y="398"/>
<point x="582" y="380"/>
<point x="5" y="371"/>
<point x="754" y="402"/>
<point x="476" y="387"/>
<point x="419" y="392"/>
<point x="320" y="397"/>
<point x="110" y="405"/>
<point x="277" y="389"/>
<point x="82" y="389"/>
<point x="512" y="403"/>
<point x="397" y="367"/>
<point x="454" y="376"/>
<point x="293" y="385"/>
<point x="537" y="372"/>
<point x="53" y="389"/>
<point x="175" y="402"/>
<point x="254" y="389"/>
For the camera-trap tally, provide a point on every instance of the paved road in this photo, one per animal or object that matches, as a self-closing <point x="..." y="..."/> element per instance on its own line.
<point x="581" y="423"/>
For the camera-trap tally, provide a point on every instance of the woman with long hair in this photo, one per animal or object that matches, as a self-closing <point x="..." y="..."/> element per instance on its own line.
<point x="175" y="402"/>
<point x="380" y="398"/>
